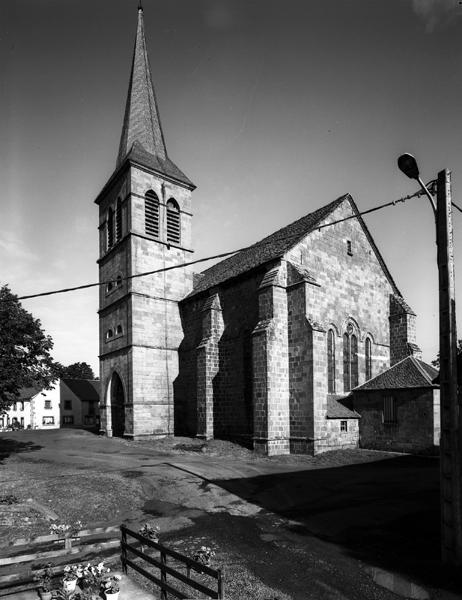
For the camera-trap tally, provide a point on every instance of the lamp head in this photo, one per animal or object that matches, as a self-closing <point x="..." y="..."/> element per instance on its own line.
<point x="408" y="165"/>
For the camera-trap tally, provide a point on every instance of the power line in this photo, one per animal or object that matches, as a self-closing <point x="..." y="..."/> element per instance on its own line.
<point x="222" y="255"/>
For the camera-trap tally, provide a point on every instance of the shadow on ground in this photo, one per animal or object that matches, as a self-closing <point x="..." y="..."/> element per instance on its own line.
<point x="9" y="446"/>
<point x="385" y="513"/>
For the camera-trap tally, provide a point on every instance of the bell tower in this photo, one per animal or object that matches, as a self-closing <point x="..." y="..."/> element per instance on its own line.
<point x="144" y="225"/>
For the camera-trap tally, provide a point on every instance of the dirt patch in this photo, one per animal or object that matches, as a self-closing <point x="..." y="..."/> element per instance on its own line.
<point x="89" y="497"/>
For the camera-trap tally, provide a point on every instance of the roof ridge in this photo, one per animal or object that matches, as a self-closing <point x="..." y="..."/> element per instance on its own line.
<point x="277" y="240"/>
<point x="421" y="369"/>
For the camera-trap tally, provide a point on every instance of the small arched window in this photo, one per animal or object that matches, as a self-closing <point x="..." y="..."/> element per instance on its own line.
<point x="330" y="362"/>
<point x="118" y="221"/>
<point x="368" y="354"/>
<point x="173" y="222"/>
<point x="109" y="334"/>
<point x="151" y="214"/>
<point x="119" y="281"/>
<point x="110" y="228"/>
<point x="119" y="330"/>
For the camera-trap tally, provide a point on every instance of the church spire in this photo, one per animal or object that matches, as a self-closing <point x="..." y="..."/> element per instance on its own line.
<point x="141" y="120"/>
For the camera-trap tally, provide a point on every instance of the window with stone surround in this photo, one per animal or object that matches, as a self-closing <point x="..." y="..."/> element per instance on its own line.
<point x="390" y="416"/>
<point x="331" y="362"/>
<point x="48" y="421"/>
<point x="350" y="359"/>
<point x="368" y="358"/>
<point x="47" y="404"/>
<point x="173" y="222"/>
<point x="110" y="229"/>
<point x="151" y="213"/>
<point x="343" y="425"/>
<point x="118" y="221"/>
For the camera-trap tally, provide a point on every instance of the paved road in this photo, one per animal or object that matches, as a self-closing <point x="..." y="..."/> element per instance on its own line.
<point x="331" y="526"/>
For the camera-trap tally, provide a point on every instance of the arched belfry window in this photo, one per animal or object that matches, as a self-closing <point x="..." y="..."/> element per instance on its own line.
<point x="151" y="214"/>
<point x="368" y="355"/>
<point x="173" y="222"/>
<point x="118" y="221"/>
<point x="331" y="362"/>
<point x="350" y="359"/>
<point x="110" y="228"/>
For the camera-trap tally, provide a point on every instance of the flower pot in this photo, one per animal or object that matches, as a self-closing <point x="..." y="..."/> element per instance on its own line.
<point x="69" y="585"/>
<point x="112" y="595"/>
<point x="45" y="595"/>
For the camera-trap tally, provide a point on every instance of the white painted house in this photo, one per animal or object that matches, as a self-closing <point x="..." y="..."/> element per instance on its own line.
<point x="70" y="403"/>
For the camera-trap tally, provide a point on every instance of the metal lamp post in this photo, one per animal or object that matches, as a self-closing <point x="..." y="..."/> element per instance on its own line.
<point x="451" y="426"/>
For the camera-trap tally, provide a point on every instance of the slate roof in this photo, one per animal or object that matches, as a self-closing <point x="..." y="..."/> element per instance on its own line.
<point x="164" y="165"/>
<point x="270" y="248"/>
<point x="337" y="410"/>
<point x="85" y="389"/>
<point x="407" y="373"/>
<point x="27" y="393"/>
<point x="141" y="118"/>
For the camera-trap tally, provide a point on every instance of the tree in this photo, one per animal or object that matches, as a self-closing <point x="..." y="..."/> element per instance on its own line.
<point x="78" y="370"/>
<point x="25" y="358"/>
<point x="436" y="362"/>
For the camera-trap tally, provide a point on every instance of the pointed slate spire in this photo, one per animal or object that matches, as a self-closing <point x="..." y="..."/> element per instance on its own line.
<point x="141" y="120"/>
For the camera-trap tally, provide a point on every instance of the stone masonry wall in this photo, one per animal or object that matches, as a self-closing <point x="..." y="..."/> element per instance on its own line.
<point x="414" y="430"/>
<point x="146" y="307"/>
<point x="300" y="346"/>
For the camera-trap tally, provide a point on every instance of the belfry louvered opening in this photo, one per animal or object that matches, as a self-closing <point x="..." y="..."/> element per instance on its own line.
<point x="110" y="229"/>
<point x="151" y="213"/>
<point x="173" y="222"/>
<point x="118" y="221"/>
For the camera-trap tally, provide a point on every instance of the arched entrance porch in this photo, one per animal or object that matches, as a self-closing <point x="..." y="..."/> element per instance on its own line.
<point x="116" y="401"/>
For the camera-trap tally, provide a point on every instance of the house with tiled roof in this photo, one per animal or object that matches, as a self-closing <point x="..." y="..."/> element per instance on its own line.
<point x="262" y="346"/>
<point x="400" y="408"/>
<point x="68" y="403"/>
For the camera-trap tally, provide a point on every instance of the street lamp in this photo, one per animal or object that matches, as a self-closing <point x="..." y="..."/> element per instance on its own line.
<point x="408" y="165"/>
<point x="450" y="415"/>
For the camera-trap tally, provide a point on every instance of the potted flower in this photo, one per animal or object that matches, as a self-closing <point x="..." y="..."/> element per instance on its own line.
<point x="71" y="574"/>
<point x="91" y="580"/>
<point x="204" y="555"/>
<point x="149" y="531"/>
<point x="111" y="587"/>
<point x="43" y="578"/>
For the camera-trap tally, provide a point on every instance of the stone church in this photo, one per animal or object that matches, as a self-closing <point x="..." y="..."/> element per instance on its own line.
<point x="261" y="347"/>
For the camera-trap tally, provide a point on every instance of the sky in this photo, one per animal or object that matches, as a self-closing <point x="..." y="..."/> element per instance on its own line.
<point x="273" y="108"/>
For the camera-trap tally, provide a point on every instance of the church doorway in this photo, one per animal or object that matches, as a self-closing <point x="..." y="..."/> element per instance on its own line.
<point x="117" y="398"/>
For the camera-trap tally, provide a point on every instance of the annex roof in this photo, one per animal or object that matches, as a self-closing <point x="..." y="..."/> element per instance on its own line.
<point x="337" y="410"/>
<point x="407" y="373"/>
<point x="84" y="389"/>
